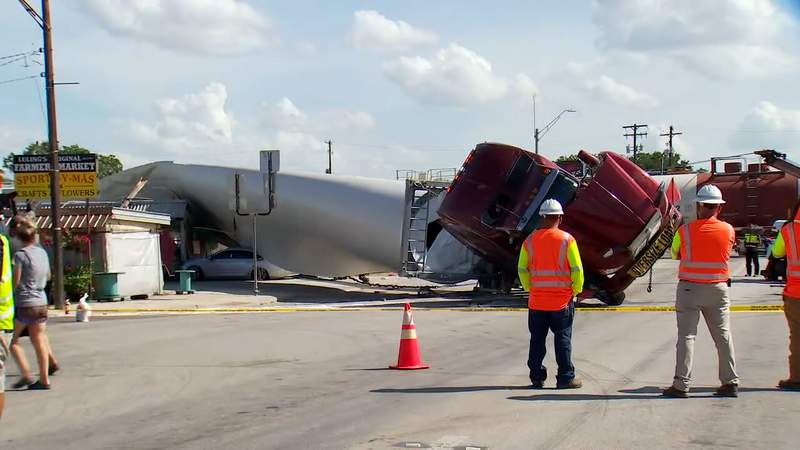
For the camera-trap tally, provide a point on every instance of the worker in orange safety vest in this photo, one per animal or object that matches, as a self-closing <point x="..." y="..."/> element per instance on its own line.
<point x="787" y="244"/>
<point x="550" y="268"/>
<point x="704" y="249"/>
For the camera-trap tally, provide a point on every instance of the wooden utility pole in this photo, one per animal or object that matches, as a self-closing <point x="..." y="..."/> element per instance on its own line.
<point x="45" y="23"/>
<point x="329" y="170"/>
<point x="671" y="133"/>
<point x="635" y="134"/>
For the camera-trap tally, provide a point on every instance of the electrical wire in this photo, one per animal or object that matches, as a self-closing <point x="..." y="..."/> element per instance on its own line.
<point x="18" y="79"/>
<point x="12" y="61"/>
<point x="13" y="56"/>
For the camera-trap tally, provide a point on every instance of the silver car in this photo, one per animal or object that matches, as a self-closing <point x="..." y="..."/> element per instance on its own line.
<point x="232" y="263"/>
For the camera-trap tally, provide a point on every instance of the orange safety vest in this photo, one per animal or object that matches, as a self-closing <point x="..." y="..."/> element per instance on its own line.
<point x="705" y="251"/>
<point x="790" y="233"/>
<point x="548" y="265"/>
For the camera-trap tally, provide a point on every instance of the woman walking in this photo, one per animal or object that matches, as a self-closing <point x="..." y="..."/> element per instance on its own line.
<point x="31" y="272"/>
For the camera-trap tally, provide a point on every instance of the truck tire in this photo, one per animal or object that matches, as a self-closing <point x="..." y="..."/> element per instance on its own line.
<point x="614" y="299"/>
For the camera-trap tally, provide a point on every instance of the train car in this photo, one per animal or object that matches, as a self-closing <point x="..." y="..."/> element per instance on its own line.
<point x="755" y="193"/>
<point x="622" y="219"/>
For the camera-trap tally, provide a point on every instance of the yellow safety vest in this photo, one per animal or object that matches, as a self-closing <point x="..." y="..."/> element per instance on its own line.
<point x="751" y="238"/>
<point x="6" y="288"/>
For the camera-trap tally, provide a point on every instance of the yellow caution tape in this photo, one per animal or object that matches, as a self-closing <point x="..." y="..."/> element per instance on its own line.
<point x="598" y="308"/>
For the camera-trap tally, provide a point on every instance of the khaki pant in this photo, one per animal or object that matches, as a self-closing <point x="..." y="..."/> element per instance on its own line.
<point x="791" y="307"/>
<point x="711" y="300"/>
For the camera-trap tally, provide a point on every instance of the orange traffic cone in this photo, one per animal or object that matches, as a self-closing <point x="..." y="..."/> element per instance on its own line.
<point x="410" y="358"/>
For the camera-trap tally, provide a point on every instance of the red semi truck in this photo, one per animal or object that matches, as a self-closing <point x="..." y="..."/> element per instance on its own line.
<point x="622" y="219"/>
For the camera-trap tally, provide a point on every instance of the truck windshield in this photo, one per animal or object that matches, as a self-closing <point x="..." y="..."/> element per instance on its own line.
<point x="563" y="189"/>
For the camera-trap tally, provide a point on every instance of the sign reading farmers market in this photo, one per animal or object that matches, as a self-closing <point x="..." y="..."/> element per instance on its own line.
<point x="78" y="176"/>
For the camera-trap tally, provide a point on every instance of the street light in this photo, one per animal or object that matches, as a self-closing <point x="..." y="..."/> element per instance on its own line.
<point x="537" y="135"/>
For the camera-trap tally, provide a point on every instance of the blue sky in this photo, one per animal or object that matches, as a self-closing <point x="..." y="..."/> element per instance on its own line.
<point x="403" y="85"/>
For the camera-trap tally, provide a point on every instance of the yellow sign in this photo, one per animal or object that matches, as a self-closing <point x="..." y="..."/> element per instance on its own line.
<point x="78" y="176"/>
<point x="74" y="185"/>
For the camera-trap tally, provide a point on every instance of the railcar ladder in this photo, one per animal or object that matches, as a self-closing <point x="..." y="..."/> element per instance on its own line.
<point x="416" y="228"/>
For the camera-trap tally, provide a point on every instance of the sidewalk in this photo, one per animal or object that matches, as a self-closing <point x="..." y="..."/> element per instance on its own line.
<point x="289" y="295"/>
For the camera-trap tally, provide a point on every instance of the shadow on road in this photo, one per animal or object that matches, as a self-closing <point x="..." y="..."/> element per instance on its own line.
<point x="448" y="389"/>
<point x="642" y="393"/>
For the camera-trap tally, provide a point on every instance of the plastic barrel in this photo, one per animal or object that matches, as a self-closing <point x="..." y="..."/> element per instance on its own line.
<point x="106" y="285"/>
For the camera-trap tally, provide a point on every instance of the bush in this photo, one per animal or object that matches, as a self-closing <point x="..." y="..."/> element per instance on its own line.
<point x="78" y="282"/>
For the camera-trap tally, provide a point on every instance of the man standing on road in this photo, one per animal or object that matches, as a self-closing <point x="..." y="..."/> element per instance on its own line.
<point x="550" y="268"/>
<point x="786" y="244"/>
<point x="704" y="249"/>
<point x="752" y="242"/>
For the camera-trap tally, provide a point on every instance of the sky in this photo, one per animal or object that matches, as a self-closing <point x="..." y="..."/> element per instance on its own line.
<point x="402" y="85"/>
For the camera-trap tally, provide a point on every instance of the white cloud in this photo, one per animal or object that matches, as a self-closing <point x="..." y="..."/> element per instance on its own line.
<point x="371" y="30"/>
<point x="768" y="125"/>
<point x="455" y="76"/>
<point x="525" y="86"/>
<point x="189" y="122"/>
<point x="216" y="27"/>
<point x="607" y="89"/>
<point x="199" y="128"/>
<point x="730" y="38"/>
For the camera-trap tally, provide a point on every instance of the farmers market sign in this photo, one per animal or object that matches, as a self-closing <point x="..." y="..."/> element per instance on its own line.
<point x="78" y="176"/>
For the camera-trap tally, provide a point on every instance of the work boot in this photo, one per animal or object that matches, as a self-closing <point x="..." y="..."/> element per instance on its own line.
<point x="573" y="384"/>
<point x="537" y="384"/>
<point x="789" y="385"/>
<point x="673" y="392"/>
<point x="727" y="390"/>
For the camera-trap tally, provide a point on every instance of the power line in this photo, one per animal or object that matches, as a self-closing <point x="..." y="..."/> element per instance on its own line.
<point x="13" y="56"/>
<point x="12" y="61"/>
<point x="635" y="134"/>
<point x="19" y="79"/>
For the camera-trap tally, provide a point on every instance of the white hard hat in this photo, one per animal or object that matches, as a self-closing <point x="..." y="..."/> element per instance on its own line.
<point x="551" y="207"/>
<point x="710" y="194"/>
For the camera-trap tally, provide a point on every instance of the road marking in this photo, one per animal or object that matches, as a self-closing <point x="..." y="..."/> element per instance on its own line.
<point x="598" y="308"/>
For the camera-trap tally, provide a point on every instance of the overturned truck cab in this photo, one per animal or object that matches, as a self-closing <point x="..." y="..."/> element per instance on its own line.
<point x="622" y="219"/>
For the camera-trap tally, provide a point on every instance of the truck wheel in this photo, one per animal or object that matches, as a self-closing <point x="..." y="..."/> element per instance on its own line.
<point x="614" y="299"/>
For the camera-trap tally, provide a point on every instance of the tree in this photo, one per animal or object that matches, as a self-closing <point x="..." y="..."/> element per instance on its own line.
<point x="106" y="164"/>
<point x="565" y="158"/>
<point x="658" y="161"/>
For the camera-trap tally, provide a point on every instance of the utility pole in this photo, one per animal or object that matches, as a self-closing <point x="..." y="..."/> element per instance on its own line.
<point x="329" y="170"/>
<point x="44" y="22"/>
<point x="635" y="134"/>
<point x="671" y="133"/>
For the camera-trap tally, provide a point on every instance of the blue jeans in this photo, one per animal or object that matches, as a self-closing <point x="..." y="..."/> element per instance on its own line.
<point x="560" y="323"/>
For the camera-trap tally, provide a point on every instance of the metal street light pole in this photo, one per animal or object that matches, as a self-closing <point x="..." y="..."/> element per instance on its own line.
<point x="45" y="23"/>
<point x="539" y="134"/>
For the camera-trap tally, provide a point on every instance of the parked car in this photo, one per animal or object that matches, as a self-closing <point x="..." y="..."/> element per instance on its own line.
<point x="232" y="263"/>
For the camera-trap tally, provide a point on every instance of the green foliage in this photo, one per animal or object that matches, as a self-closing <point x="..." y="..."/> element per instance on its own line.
<point x="653" y="161"/>
<point x="78" y="282"/>
<point x="106" y="164"/>
<point x="565" y="158"/>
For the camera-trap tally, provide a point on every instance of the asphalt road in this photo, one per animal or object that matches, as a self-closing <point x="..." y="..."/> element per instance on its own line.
<point x="319" y="380"/>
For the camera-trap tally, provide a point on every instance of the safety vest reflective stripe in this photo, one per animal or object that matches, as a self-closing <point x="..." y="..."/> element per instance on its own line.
<point x="576" y="269"/>
<point x="705" y="265"/>
<point x="550" y="273"/>
<point x="792" y="245"/>
<point x="7" y="314"/>
<point x="559" y="284"/>
<point x="794" y="273"/>
<point x="700" y="276"/>
<point x="687" y="245"/>
<point x="6" y="299"/>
